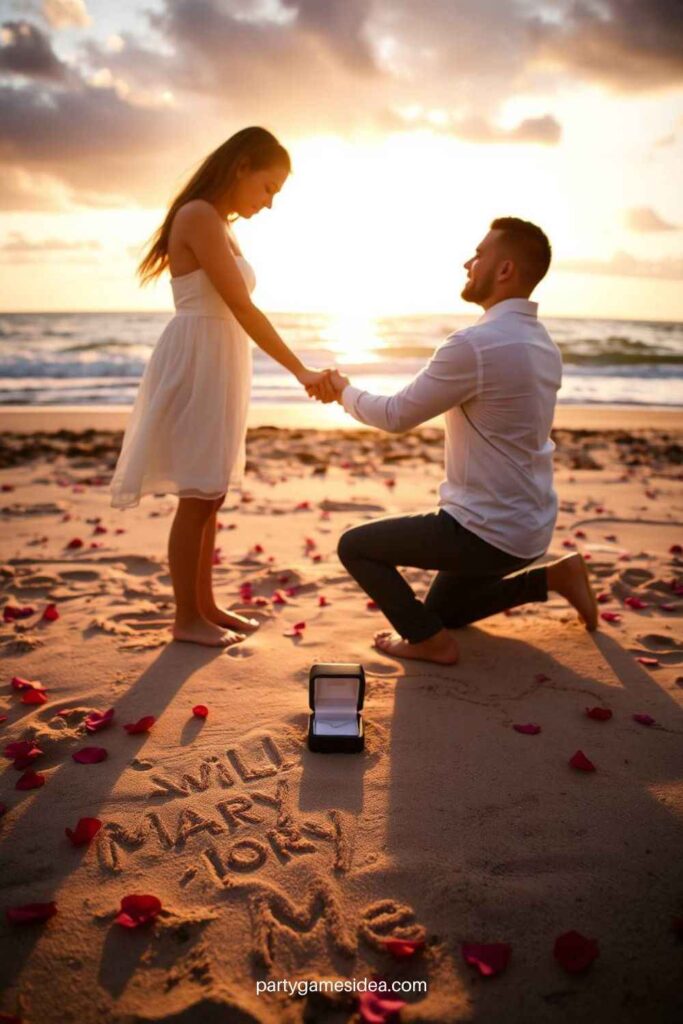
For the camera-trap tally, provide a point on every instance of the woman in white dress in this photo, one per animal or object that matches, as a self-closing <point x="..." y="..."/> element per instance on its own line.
<point x="187" y="429"/>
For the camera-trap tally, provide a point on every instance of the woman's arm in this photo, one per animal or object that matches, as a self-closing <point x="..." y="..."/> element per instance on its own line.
<point x="203" y="232"/>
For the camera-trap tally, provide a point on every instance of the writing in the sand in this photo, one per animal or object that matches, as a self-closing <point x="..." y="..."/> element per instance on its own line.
<point x="279" y="837"/>
<point x="262" y="762"/>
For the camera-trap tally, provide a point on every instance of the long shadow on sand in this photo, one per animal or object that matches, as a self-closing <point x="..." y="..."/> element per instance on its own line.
<point x="150" y="694"/>
<point x="511" y="844"/>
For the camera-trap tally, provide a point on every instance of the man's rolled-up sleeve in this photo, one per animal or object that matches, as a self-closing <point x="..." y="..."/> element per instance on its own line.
<point x="451" y="377"/>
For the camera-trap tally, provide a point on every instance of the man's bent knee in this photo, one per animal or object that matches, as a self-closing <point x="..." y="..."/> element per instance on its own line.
<point x="350" y="544"/>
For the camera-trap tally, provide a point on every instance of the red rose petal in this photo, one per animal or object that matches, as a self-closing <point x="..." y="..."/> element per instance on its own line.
<point x="14" y="611"/>
<point x="650" y="662"/>
<point x="260" y="602"/>
<point x="97" y="720"/>
<point x="372" y="606"/>
<point x="138" y="909"/>
<point x="489" y="958"/>
<point x="30" y="780"/>
<point x="580" y="534"/>
<point x="599" y="714"/>
<point x="90" y="755"/>
<point x="86" y="829"/>
<point x="604" y="597"/>
<point x="644" y="719"/>
<point x="676" y="549"/>
<point x="377" y="1009"/>
<point x="581" y="762"/>
<point x="200" y="711"/>
<point x="258" y="549"/>
<point x="279" y="598"/>
<point x="574" y="952"/>
<point x="635" y="602"/>
<point x="100" y="529"/>
<point x="31" y="913"/>
<point x="568" y="543"/>
<point x="530" y="729"/>
<point x="25" y="684"/>
<point x="50" y="614"/>
<point x="323" y="602"/>
<point x="303" y="505"/>
<point x="403" y="949"/>
<point x="22" y="748"/>
<point x="142" y="725"/>
<point x="610" y="616"/>
<point x="34" y="697"/>
<point x="75" y="543"/>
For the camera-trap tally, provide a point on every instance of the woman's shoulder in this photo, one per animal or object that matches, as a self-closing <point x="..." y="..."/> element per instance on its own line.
<point x="196" y="211"/>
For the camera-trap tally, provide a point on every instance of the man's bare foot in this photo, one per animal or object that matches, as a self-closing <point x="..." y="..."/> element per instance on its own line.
<point x="231" y="620"/>
<point x="569" y="577"/>
<point x="440" y="648"/>
<point x="200" y="631"/>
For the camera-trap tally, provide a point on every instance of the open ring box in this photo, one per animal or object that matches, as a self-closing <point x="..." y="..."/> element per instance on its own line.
<point x="335" y="695"/>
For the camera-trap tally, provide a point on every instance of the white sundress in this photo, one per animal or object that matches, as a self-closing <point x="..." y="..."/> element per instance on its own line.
<point x="186" y="433"/>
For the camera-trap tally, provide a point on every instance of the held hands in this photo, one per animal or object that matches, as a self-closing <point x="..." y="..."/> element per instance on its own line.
<point x="324" y="385"/>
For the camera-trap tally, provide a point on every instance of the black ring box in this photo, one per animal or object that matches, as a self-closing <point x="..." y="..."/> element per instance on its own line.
<point x="336" y="692"/>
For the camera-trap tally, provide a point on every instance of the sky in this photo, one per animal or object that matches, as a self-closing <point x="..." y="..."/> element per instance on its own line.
<point x="411" y="124"/>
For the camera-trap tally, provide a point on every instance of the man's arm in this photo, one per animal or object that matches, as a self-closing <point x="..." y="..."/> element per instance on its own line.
<point x="450" y="378"/>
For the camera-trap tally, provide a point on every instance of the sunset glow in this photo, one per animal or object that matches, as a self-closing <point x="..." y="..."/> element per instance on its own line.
<point x="404" y="147"/>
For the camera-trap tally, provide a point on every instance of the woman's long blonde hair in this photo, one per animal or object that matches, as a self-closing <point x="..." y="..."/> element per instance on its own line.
<point x="211" y="181"/>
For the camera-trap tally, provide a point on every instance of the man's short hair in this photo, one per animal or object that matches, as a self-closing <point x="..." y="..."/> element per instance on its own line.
<point x="529" y="245"/>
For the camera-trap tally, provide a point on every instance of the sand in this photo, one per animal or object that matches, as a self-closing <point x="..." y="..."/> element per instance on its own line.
<point x="275" y="863"/>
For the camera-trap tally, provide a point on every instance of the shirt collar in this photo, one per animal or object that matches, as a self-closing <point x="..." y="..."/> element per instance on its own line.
<point x="509" y="306"/>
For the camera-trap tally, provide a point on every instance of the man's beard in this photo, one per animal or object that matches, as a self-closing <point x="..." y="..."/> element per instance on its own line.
<point x="478" y="292"/>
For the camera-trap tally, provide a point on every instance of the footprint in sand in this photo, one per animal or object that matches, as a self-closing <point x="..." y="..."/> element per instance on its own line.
<point x="666" y="649"/>
<point x="634" y="577"/>
<point x="240" y="651"/>
<point x="79" y="575"/>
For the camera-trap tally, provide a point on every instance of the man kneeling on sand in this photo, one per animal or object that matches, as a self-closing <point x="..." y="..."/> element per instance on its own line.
<point x="497" y="383"/>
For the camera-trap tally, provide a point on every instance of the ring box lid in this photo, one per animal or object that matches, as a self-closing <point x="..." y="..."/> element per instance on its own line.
<point x="336" y="687"/>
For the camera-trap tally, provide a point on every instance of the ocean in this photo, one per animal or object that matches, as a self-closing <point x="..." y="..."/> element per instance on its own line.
<point x="98" y="358"/>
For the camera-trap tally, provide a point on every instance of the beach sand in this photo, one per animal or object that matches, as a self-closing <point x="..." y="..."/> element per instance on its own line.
<point x="275" y="863"/>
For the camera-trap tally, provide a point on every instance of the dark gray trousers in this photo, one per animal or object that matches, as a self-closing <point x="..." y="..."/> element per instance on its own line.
<point x="472" y="581"/>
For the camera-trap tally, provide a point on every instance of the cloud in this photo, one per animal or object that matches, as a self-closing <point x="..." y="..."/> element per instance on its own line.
<point x="89" y="138"/>
<point x="26" y="51"/>
<point x="17" y="243"/>
<point x="623" y="264"/>
<point x="66" y="13"/>
<point x="544" y="130"/>
<point x="631" y="45"/>
<point x="645" y="219"/>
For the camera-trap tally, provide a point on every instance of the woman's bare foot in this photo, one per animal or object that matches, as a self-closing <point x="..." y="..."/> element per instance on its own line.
<point x="569" y="577"/>
<point x="200" y="631"/>
<point x="231" y="620"/>
<point x="440" y="648"/>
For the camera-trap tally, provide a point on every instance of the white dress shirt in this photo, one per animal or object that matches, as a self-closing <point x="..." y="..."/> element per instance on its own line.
<point x="497" y="383"/>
